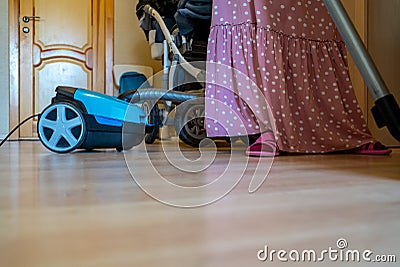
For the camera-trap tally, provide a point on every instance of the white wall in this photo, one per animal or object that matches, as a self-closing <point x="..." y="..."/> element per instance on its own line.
<point x="130" y="45"/>
<point x="4" y="69"/>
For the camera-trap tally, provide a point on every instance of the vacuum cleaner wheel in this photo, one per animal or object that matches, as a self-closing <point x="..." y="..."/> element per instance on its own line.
<point x="62" y="127"/>
<point x="153" y="118"/>
<point x="189" y="121"/>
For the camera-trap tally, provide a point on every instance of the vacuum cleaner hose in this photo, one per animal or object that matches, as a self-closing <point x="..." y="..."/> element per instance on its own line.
<point x="135" y="96"/>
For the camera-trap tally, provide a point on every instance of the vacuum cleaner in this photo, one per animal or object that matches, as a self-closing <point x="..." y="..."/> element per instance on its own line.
<point x="83" y="119"/>
<point x="79" y="118"/>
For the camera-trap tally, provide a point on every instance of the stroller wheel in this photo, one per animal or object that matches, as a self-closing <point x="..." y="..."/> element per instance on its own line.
<point x="153" y="119"/>
<point x="61" y="127"/>
<point x="189" y="121"/>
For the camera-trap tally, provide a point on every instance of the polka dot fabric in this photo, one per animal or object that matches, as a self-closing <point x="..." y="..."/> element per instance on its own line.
<point x="287" y="58"/>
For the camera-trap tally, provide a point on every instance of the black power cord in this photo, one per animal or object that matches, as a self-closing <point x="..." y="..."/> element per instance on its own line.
<point x="17" y="127"/>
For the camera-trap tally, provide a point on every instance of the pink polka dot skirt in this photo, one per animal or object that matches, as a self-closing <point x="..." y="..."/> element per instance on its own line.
<point x="282" y="66"/>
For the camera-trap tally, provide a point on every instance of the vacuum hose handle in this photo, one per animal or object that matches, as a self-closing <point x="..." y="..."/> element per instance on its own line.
<point x="148" y="9"/>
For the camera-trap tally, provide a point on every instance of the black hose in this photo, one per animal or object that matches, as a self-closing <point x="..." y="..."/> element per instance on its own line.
<point x="17" y="127"/>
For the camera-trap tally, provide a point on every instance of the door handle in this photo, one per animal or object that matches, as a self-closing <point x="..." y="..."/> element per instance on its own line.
<point x="26" y="19"/>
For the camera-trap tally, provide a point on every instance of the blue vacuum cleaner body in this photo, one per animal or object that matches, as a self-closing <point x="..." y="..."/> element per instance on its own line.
<point x="83" y="119"/>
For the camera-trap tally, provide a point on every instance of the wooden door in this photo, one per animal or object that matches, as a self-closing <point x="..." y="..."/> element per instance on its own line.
<point x="63" y="42"/>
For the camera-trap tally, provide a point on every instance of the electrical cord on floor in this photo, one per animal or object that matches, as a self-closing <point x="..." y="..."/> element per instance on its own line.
<point x="17" y="127"/>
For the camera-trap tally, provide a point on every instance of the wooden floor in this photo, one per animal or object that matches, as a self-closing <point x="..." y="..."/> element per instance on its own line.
<point x="85" y="208"/>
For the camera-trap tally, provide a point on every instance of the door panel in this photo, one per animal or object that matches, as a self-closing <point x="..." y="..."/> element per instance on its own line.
<point x="62" y="45"/>
<point x="63" y="20"/>
<point x="60" y="49"/>
<point x="55" y="72"/>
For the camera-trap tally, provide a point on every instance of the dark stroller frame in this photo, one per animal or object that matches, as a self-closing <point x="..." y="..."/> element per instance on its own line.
<point x="198" y="74"/>
<point x="189" y="112"/>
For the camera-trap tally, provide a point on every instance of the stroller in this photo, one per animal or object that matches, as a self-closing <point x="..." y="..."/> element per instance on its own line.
<point x="177" y="33"/>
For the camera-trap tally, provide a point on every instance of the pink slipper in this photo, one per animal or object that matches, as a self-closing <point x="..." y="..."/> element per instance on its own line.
<point x="374" y="148"/>
<point x="264" y="146"/>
